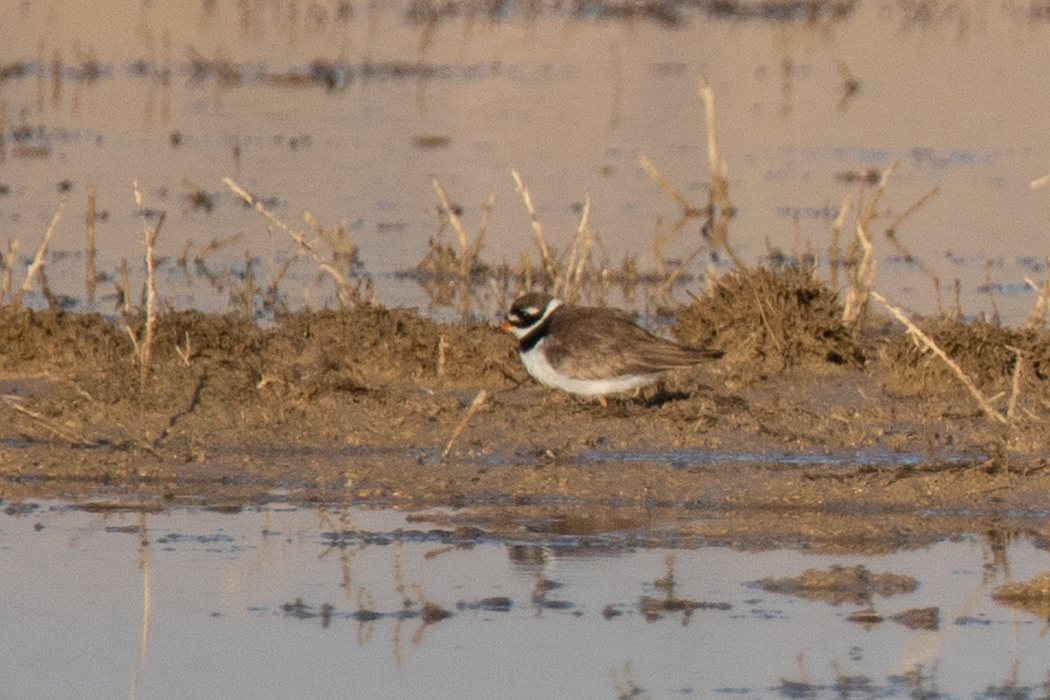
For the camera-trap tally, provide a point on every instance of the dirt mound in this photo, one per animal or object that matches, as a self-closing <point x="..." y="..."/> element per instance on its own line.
<point x="40" y="341"/>
<point x="377" y="344"/>
<point x="986" y="352"/>
<point x="768" y="320"/>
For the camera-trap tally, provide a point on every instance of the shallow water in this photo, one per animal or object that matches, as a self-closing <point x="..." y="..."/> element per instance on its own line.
<point x="350" y="109"/>
<point x="190" y="602"/>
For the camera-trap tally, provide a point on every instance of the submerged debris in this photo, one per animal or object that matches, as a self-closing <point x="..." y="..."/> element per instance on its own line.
<point x="492" y="604"/>
<point x="840" y="584"/>
<point x="919" y="618"/>
<point x="867" y="617"/>
<point x="432" y="612"/>
<point x="1033" y="595"/>
<point x="654" y="608"/>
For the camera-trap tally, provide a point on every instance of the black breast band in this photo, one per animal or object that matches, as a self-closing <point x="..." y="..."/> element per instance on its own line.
<point x="528" y="342"/>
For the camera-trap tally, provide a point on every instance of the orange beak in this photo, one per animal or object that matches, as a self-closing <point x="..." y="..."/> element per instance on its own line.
<point x="506" y="327"/>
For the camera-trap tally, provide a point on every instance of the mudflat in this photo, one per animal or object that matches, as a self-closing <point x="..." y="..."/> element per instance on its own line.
<point x="856" y="435"/>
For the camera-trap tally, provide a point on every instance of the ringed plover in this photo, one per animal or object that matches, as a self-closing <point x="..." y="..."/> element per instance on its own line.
<point x="591" y="351"/>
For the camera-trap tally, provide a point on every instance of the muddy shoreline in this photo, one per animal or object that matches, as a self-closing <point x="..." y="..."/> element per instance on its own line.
<point x="373" y="406"/>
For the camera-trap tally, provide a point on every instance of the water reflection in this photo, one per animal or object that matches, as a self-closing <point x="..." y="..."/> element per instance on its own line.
<point x="349" y="110"/>
<point x="272" y="601"/>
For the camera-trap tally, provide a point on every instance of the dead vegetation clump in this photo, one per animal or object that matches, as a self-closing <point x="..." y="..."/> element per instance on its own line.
<point x="769" y="319"/>
<point x="986" y="352"/>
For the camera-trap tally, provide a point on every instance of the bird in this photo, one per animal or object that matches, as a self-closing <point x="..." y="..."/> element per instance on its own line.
<point x="592" y="351"/>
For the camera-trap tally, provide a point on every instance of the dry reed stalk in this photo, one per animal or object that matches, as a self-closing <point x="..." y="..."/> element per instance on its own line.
<point x="578" y="257"/>
<point x="442" y="347"/>
<point x="719" y="226"/>
<point x="38" y="261"/>
<point x="90" y="271"/>
<point x="663" y="238"/>
<point x="343" y="249"/>
<point x="880" y="189"/>
<point x="346" y="292"/>
<point x="185" y="255"/>
<point x="902" y="250"/>
<point x="1015" y="382"/>
<point x="13" y="402"/>
<point x="929" y="344"/>
<point x="835" y="249"/>
<point x="688" y="208"/>
<point x="187" y="354"/>
<point x="1042" y="302"/>
<point x="719" y="188"/>
<point x="125" y="281"/>
<point x="720" y="210"/>
<point x="144" y="346"/>
<point x="483" y="227"/>
<point x="468" y="251"/>
<point x="667" y="277"/>
<point x="147" y="597"/>
<point x="248" y="295"/>
<point x="550" y="265"/>
<point x="775" y="337"/>
<point x="474" y="406"/>
<point x="213" y="246"/>
<point x="891" y="230"/>
<point x="862" y="278"/>
<point x="12" y="255"/>
<point x="3" y="130"/>
<point x="275" y="282"/>
<point x="679" y="272"/>
<point x="457" y="226"/>
<point x="990" y="286"/>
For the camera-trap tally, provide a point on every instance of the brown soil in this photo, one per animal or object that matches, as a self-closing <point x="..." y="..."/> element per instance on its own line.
<point x="861" y="441"/>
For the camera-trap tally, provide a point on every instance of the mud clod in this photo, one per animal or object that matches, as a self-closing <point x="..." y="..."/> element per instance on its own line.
<point x="1033" y="595"/>
<point x="839" y="585"/>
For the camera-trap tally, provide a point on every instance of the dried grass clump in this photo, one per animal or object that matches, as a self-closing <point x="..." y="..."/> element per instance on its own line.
<point x="769" y="320"/>
<point x="985" y="351"/>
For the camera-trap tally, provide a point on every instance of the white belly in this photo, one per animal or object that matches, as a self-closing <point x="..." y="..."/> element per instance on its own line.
<point x="542" y="371"/>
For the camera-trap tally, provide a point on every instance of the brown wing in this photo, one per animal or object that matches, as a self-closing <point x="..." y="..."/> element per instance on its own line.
<point x="597" y="343"/>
